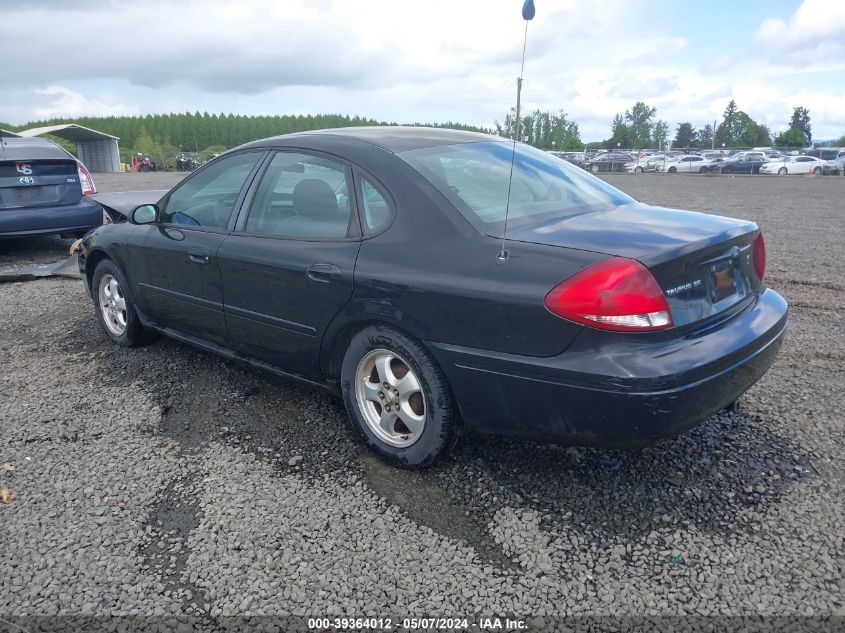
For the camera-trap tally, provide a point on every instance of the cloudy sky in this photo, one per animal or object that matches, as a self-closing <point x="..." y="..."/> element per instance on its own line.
<point x="426" y="60"/>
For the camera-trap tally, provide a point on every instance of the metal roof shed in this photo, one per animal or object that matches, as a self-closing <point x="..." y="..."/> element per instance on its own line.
<point x="98" y="150"/>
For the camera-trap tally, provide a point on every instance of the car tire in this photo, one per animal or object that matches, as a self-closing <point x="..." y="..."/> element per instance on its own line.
<point x="782" y="171"/>
<point x="638" y="170"/>
<point x="673" y="170"/>
<point x="380" y="355"/>
<point x="702" y="170"/>
<point x="817" y="171"/>
<point x="115" y="308"/>
<point x="595" y="169"/>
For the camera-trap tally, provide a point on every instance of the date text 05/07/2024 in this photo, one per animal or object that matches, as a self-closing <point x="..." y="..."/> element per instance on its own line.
<point x="413" y="624"/>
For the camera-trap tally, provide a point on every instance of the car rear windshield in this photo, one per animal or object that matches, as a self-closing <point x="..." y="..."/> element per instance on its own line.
<point x="474" y="178"/>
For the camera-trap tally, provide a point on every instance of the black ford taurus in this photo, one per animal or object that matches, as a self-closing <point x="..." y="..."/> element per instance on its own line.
<point x="369" y="261"/>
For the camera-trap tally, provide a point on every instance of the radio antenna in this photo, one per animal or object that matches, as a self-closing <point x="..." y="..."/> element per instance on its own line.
<point x="527" y="15"/>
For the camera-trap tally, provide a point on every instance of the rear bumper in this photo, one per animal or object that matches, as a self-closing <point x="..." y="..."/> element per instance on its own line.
<point x="612" y="389"/>
<point x="82" y="216"/>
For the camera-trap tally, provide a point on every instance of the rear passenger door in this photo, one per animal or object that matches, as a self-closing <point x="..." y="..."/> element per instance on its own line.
<point x="287" y="268"/>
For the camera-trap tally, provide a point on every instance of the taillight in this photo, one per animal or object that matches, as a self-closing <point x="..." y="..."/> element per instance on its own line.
<point x="759" y="255"/>
<point x="85" y="180"/>
<point x="614" y="294"/>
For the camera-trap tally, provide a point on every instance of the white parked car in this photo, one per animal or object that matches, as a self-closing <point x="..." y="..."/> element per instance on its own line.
<point x="796" y="165"/>
<point x="686" y="164"/>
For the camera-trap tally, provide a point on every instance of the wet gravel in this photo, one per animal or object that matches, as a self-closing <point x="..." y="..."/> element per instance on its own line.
<point x="164" y="481"/>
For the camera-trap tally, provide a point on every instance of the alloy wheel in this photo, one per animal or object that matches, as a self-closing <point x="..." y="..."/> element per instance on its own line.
<point x="112" y="304"/>
<point x="390" y="398"/>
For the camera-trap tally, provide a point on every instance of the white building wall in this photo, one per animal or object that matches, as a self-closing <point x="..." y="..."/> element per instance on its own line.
<point x="99" y="156"/>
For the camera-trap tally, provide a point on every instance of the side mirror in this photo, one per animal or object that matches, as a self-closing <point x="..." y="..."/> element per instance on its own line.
<point x="145" y="214"/>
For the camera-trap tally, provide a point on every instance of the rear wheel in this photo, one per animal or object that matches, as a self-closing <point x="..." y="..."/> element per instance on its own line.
<point x="701" y="170"/>
<point x="398" y="398"/>
<point x="115" y="309"/>
<point x="594" y="169"/>
<point x="817" y="171"/>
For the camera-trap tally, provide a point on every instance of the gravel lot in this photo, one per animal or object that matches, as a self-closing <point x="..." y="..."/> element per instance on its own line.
<point x="164" y="481"/>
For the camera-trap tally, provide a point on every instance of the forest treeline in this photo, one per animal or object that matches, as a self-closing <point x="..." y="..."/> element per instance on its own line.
<point x="162" y="136"/>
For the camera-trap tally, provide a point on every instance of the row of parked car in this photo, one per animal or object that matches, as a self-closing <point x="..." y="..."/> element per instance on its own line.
<point x="824" y="161"/>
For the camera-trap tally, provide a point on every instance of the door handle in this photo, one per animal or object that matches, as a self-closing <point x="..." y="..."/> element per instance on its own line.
<point x="323" y="273"/>
<point x="198" y="255"/>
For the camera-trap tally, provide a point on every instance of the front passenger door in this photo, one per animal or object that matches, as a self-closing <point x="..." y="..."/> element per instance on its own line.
<point x="180" y="281"/>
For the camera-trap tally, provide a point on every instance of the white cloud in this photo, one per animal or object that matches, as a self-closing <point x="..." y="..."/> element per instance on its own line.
<point x="413" y="61"/>
<point x="64" y="102"/>
<point x="815" y="23"/>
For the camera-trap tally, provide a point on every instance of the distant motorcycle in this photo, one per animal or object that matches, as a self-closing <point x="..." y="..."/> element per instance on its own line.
<point x="144" y="163"/>
<point x="186" y="163"/>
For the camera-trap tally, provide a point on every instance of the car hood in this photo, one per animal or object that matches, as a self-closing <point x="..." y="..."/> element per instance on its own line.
<point x="652" y="235"/>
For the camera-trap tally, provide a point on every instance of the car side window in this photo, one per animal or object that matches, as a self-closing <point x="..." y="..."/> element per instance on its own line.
<point x="375" y="205"/>
<point x="302" y="196"/>
<point x="207" y="198"/>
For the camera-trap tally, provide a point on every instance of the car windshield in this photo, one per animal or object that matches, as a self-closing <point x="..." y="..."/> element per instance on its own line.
<point x="474" y="178"/>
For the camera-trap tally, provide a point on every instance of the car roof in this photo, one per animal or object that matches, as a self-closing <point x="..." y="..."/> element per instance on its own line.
<point x="392" y="138"/>
<point x="13" y="148"/>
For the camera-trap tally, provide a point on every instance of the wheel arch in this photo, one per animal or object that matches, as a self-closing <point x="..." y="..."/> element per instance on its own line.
<point x="92" y="260"/>
<point x="352" y="320"/>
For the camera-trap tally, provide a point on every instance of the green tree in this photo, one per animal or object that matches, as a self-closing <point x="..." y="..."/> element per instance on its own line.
<point x="737" y="129"/>
<point x="660" y="135"/>
<point x="705" y="136"/>
<point x="801" y="121"/>
<point x="620" y="134"/>
<point x="685" y="136"/>
<point x="729" y="130"/>
<point x="793" y="137"/>
<point x="640" y="126"/>
<point x="146" y="145"/>
<point x="762" y="136"/>
<point x="543" y="129"/>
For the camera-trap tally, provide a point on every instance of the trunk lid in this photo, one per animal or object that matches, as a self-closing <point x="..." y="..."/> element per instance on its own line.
<point x="702" y="262"/>
<point x="38" y="183"/>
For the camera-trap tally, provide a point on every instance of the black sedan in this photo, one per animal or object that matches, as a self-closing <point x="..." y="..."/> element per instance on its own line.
<point x="369" y="261"/>
<point x="740" y="164"/>
<point x="608" y="162"/>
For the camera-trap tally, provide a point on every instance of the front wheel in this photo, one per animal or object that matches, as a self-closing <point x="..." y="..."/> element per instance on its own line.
<point x="638" y="170"/>
<point x="594" y="169"/>
<point x="817" y="171"/>
<point x="115" y="309"/>
<point x="673" y="170"/>
<point x="782" y="171"/>
<point x="398" y="398"/>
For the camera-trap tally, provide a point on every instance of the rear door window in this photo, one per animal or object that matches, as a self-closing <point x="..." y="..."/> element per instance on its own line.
<point x="303" y="196"/>
<point x="377" y="209"/>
